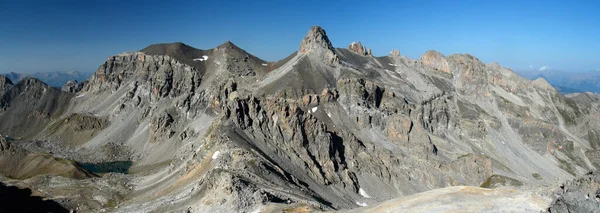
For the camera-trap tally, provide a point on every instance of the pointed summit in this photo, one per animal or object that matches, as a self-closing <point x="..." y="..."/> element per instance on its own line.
<point x="315" y="39"/>
<point x="317" y="43"/>
<point x="228" y="45"/>
<point x="5" y="84"/>
<point x="395" y="53"/>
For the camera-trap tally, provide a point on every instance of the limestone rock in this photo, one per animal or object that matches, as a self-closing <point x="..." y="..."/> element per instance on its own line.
<point x="72" y="86"/>
<point x="359" y="49"/>
<point x="436" y="61"/>
<point x="317" y="42"/>
<point x="580" y="195"/>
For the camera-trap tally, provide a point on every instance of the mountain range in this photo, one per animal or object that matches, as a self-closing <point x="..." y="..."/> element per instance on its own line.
<point x="54" y="79"/>
<point x="172" y="128"/>
<point x="568" y="82"/>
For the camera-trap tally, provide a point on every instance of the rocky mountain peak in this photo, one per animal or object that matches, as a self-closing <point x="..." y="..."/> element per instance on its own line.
<point x="395" y="52"/>
<point x="316" y="42"/>
<point x="542" y="84"/>
<point x="315" y="39"/>
<point x="5" y="84"/>
<point x="357" y="47"/>
<point x="227" y="45"/>
<point x="30" y="81"/>
<point x="72" y="86"/>
<point x="177" y="50"/>
<point x="435" y="60"/>
<point x="5" y="81"/>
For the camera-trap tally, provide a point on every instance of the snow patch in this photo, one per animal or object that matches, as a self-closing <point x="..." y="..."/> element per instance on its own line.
<point x="363" y="193"/>
<point x="264" y="65"/>
<point x="393" y="65"/>
<point x="361" y="204"/>
<point x="204" y="58"/>
<point x="329" y="114"/>
<point x="314" y="109"/>
<point x="216" y="155"/>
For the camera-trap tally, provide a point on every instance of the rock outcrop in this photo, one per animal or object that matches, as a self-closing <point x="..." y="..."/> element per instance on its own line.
<point x="5" y="84"/>
<point x="72" y="86"/>
<point x="580" y="195"/>
<point x="395" y="53"/>
<point x="317" y="42"/>
<point x="166" y="76"/>
<point x="436" y="61"/>
<point x="359" y="49"/>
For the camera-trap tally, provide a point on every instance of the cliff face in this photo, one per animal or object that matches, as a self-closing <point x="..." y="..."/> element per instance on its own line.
<point x="325" y="128"/>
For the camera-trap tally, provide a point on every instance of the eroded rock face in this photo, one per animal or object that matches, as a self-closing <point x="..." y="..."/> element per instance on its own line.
<point x="161" y="125"/>
<point x="580" y="195"/>
<point x="166" y="77"/>
<point x="317" y="42"/>
<point x="5" y="84"/>
<point x="72" y="86"/>
<point x="358" y="48"/>
<point x="436" y="61"/>
<point x="315" y="39"/>
<point x="4" y="145"/>
<point x="471" y="74"/>
<point x="395" y="53"/>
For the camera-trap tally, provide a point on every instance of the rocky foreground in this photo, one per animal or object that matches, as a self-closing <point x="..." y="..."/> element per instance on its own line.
<point x="172" y="128"/>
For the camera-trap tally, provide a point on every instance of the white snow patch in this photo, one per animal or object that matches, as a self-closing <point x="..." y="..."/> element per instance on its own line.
<point x="361" y="204"/>
<point x="393" y="65"/>
<point x="363" y="193"/>
<point x="216" y="155"/>
<point x="79" y="96"/>
<point x="264" y="65"/>
<point x="329" y="114"/>
<point x="204" y="58"/>
<point x="314" y="109"/>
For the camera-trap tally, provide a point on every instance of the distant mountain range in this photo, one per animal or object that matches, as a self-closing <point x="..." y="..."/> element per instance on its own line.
<point x="568" y="82"/>
<point x="54" y="79"/>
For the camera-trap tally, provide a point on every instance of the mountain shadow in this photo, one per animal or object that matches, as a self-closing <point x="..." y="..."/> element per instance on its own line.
<point x="14" y="199"/>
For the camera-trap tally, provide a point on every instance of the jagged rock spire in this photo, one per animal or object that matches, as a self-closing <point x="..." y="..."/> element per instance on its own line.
<point x="395" y="52"/>
<point x="5" y="83"/>
<point x="317" y="42"/>
<point x="315" y="39"/>
<point x="357" y="47"/>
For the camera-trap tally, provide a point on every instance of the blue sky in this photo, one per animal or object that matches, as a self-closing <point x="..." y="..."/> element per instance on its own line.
<point x="38" y="36"/>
